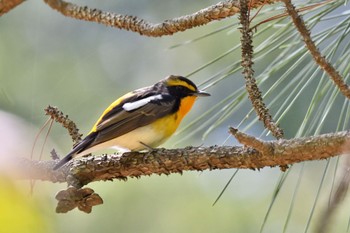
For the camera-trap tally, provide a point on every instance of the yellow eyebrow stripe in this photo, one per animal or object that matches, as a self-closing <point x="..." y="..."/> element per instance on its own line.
<point x="110" y="107"/>
<point x="178" y="82"/>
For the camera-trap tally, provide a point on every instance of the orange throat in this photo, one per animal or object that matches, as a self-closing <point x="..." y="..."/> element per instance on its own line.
<point x="185" y="106"/>
<point x="168" y="124"/>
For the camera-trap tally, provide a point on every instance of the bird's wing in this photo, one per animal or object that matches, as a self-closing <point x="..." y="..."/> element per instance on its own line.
<point x="131" y="114"/>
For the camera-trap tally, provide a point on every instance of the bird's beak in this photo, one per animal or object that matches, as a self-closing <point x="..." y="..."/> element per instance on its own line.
<point x="201" y="94"/>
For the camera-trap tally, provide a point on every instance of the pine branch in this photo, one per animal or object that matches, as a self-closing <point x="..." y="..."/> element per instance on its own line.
<point x="316" y="54"/>
<point x="141" y="26"/>
<point x="255" y="154"/>
<point x="247" y="63"/>
<point x="162" y="161"/>
<point x="7" y="5"/>
<point x="215" y="12"/>
<point x="59" y="117"/>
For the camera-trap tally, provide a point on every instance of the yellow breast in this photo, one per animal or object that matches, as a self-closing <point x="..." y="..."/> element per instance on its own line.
<point x="168" y="124"/>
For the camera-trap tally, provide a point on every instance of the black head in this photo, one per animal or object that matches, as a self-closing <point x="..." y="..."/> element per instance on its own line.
<point x="181" y="87"/>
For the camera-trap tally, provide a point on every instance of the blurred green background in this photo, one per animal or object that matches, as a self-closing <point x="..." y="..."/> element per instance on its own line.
<point x="81" y="67"/>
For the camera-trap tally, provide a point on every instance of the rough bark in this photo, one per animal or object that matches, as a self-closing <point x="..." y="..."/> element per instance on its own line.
<point x="162" y="161"/>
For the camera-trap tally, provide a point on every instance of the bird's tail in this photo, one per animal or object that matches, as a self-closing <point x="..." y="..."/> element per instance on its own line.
<point x="63" y="161"/>
<point x="80" y="147"/>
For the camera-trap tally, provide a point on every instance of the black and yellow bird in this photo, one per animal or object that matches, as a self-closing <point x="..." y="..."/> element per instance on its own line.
<point x="141" y="119"/>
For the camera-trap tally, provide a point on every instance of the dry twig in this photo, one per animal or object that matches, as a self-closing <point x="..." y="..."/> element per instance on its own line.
<point x="263" y="147"/>
<point x="320" y="60"/>
<point x="7" y="5"/>
<point x="141" y="26"/>
<point x="59" y="117"/>
<point x="215" y="12"/>
<point x="248" y="72"/>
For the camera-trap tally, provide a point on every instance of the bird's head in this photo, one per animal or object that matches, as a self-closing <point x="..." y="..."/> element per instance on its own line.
<point x="182" y="87"/>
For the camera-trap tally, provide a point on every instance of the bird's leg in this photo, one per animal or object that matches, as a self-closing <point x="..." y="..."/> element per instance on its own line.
<point x="149" y="148"/>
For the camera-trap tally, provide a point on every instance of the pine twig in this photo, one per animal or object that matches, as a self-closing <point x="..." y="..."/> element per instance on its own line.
<point x="215" y="12"/>
<point x="248" y="72"/>
<point x="263" y="147"/>
<point x="59" y="117"/>
<point x="132" y="23"/>
<point x="320" y="60"/>
<point x="7" y="5"/>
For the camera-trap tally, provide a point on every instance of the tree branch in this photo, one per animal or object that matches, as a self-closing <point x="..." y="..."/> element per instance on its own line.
<point x="7" y="5"/>
<point x="255" y="154"/>
<point x="247" y="63"/>
<point x="319" y="59"/>
<point x="218" y="11"/>
<point x="68" y="124"/>
<point x="161" y="161"/>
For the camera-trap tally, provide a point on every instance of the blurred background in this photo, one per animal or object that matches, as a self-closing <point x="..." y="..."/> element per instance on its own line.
<point x="81" y="67"/>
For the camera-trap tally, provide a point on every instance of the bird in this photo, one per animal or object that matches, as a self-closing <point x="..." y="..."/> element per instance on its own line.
<point x="141" y="119"/>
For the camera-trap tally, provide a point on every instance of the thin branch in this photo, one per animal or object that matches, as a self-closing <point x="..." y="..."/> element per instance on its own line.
<point x="135" y="24"/>
<point x="248" y="72"/>
<point x="161" y="161"/>
<point x="215" y="12"/>
<point x="263" y="147"/>
<point x="7" y="5"/>
<point x="59" y="117"/>
<point x="320" y="60"/>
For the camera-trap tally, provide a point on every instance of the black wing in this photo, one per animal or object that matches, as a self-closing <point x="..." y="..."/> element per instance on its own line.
<point x="119" y="121"/>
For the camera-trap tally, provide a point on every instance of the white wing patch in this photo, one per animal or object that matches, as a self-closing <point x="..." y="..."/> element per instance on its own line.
<point x="139" y="103"/>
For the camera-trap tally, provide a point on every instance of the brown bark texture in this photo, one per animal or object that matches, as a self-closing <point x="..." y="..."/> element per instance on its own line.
<point x="163" y="161"/>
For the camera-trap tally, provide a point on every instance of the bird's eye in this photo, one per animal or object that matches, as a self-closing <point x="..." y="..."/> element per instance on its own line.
<point x="181" y="88"/>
